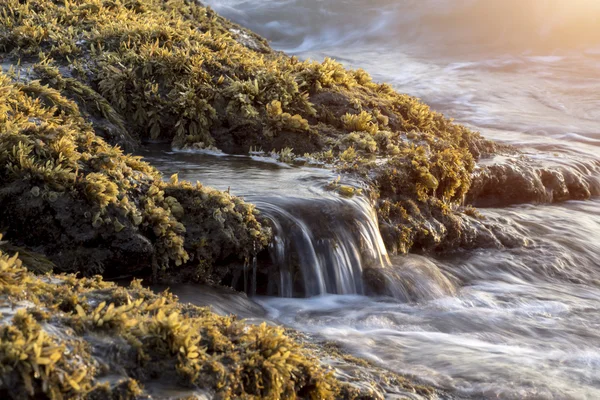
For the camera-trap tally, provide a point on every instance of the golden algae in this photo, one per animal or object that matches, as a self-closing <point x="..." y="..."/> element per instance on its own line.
<point x="47" y="344"/>
<point x="84" y="193"/>
<point x="175" y="71"/>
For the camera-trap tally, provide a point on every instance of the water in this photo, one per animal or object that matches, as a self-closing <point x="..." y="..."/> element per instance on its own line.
<point x="331" y="239"/>
<point x="511" y="67"/>
<point x="522" y="323"/>
<point x="519" y="323"/>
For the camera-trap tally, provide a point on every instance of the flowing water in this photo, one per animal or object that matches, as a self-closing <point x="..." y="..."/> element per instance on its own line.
<point x="502" y="323"/>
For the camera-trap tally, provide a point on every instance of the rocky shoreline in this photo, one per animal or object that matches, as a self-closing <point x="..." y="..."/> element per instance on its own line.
<point x="86" y="83"/>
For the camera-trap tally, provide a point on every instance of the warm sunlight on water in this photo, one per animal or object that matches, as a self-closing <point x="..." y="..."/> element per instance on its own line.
<point x="450" y="26"/>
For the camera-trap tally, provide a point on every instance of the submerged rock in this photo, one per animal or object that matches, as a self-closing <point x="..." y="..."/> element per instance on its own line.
<point x="409" y="279"/>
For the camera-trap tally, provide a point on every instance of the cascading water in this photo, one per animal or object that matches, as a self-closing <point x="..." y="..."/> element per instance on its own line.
<point x="330" y="239"/>
<point x="322" y="241"/>
<point x="513" y="323"/>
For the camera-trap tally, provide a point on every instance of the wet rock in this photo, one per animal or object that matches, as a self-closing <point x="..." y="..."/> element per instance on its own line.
<point x="80" y="338"/>
<point x="191" y="78"/>
<point x="90" y="208"/>
<point x="204" y="82"/>
<point x="409" y="278"/>
<point x="518" y="181"/>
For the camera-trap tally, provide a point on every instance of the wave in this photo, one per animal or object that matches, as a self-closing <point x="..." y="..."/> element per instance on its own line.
<point x="454" y="25"/>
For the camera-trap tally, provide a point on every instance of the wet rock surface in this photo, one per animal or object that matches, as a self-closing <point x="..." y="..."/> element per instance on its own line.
<point x="519" y="180"/>
<point x="68" y="337"/>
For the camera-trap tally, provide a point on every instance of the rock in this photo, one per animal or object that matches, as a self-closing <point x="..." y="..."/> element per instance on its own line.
<point x="204" y="82"/>
<point x="69" y="337"/>
<point x="90" y="208"/>
<point x="192" y="78"/>
<point x="521" y="180"/>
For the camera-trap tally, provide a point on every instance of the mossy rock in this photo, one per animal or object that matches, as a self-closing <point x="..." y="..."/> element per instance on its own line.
<point x="64" y="336"/>
<point x="175" y="71"/>
<point x="89" y="207"/>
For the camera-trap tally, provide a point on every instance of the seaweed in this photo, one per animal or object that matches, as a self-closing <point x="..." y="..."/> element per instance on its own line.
<point x="177" y="72"/>
<point x="155" y="337"/>
<point x="53" y="164"/>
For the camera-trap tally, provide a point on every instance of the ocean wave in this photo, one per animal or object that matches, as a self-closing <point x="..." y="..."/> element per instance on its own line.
<point x="455" y="25"/>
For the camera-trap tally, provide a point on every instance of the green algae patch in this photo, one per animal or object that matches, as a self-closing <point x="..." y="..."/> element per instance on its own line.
<point x="64" y="335"/>
<point x="88" y="207"/>
<point x="175" y="71"/>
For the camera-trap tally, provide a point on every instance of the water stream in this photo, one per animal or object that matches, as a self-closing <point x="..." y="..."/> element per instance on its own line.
<point x="519" y="323"/>
<point x="330" y="238"/>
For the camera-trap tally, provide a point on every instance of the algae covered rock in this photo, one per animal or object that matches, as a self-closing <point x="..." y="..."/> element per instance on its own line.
<point x="64" y="337"/>
<point x="89" y="207"/>
<point x="175" y="71"/>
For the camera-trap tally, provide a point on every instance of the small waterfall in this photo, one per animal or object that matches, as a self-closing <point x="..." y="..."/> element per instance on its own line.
<point x="322" y="245"/>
